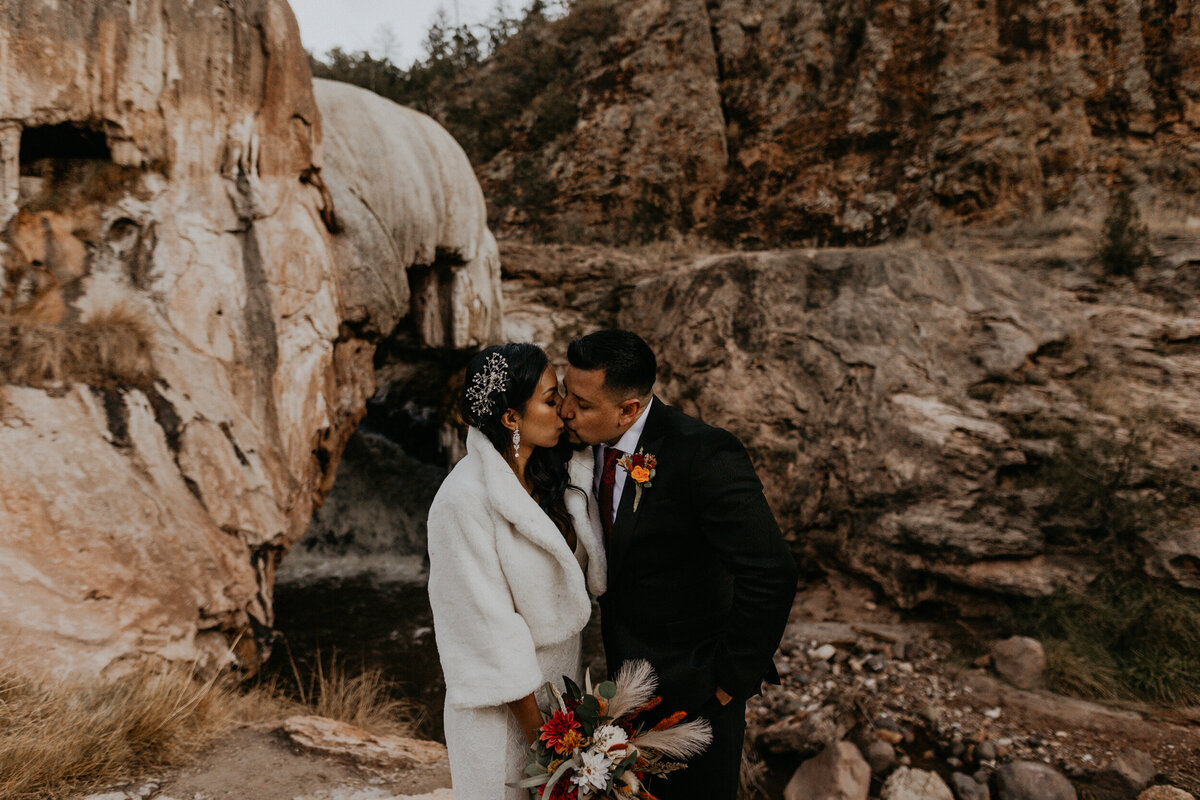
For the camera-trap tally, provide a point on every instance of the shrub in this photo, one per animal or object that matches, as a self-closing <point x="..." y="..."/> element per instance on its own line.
<point x="109" y="349"/>
<point x="1127" y="636"/>
<point x="1124" y="244"/>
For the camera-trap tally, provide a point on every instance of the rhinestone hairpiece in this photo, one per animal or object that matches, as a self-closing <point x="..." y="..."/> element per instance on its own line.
<point x="490" y="380"/>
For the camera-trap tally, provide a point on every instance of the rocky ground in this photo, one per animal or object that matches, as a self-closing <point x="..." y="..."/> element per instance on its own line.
<point x="871" y="705"/>
<point x="909" y="705"/>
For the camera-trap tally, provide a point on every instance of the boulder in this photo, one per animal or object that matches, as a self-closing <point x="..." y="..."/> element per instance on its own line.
<point x="881" y="756"/>
<point x="1032" y="780"/>
<point x="967" y="788"/>
<point x="838" y="773"/>
<point x="378" y="751"/>
<point x="188" y="339"/>
<point x="1165" y="793"/>
<point x="915" y="784"/>
<point x="1125" y="776"/>
<point x="1021" y="661"/>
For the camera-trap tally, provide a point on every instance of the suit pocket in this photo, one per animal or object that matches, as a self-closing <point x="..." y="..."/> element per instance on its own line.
<point x="695" y="629"/>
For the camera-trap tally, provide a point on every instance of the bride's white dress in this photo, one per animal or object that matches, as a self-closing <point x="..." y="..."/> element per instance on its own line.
<point x="509" y="601"/>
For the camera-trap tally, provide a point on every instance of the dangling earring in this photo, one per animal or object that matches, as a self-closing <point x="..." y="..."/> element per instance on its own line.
<point x="516" y="443"/>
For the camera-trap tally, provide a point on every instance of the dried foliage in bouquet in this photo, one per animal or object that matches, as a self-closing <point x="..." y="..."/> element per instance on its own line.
<point x="593" y="746"/>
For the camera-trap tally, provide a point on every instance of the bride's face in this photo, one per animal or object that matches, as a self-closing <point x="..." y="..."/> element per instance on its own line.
<point x="540" y="425"/>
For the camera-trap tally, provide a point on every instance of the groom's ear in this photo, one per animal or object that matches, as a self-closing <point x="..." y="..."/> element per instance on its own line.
<point x="629" y="409"/>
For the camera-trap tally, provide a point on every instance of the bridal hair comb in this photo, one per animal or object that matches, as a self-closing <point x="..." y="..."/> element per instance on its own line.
<point x="488" y="382"/>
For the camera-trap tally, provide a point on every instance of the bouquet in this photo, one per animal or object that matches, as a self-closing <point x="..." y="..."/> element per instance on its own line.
<point x="593" y="746"/>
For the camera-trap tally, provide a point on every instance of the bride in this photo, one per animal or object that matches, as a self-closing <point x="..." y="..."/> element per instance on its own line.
<point x="514" y="548"/>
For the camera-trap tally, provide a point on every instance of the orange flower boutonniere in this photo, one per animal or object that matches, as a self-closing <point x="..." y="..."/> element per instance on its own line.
<point x="640" y="467"/>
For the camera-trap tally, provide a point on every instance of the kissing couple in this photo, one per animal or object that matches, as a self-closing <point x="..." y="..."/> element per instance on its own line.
<point x="598" y="488"/>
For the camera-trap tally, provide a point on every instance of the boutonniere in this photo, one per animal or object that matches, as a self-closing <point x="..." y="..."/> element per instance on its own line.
<point x="640" y="467"/>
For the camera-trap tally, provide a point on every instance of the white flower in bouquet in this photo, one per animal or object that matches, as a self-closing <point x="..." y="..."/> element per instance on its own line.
<point x="609" y="737"/>
<point x="593" y="773"/>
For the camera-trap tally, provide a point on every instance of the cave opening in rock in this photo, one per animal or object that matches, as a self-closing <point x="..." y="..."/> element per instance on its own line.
<point x="66" y="140"/>
<point x="354" y="585"/>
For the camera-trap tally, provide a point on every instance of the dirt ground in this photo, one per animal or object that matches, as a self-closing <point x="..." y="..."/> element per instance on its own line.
<point x="256" y="764"/>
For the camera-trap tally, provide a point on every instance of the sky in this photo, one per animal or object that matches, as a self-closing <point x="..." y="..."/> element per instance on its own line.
<point x="356" y="25"/>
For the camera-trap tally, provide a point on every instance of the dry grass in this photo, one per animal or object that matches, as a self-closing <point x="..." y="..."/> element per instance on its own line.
<point x="110" y="348"/>
<point x="59" y="737"/>
<point x="365" y="699"/>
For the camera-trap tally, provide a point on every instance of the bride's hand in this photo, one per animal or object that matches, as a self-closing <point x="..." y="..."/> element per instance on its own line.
<point x="528" y="717"/>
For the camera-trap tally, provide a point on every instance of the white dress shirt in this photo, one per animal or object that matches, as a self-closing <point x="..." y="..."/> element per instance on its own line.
<point x="626" y="444"/>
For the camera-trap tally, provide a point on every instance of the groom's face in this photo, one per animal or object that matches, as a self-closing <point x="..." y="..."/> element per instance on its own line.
<point x="591" y="413"/>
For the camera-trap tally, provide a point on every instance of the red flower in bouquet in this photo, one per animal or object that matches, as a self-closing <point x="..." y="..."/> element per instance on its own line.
<point x="561" y="731"/>
<point x="563" y="790"/>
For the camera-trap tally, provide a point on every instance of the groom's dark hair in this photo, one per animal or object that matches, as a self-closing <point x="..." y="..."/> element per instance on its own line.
<point x="628" y="362"/>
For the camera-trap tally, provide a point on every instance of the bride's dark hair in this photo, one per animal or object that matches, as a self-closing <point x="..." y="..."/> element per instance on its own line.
<point x="546" y="470"/>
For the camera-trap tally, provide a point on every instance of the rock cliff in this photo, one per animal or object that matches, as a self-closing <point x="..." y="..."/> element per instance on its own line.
<point x="190" y="317"/>
<point x="765" y="122"/>
<point x="952" y="423"/>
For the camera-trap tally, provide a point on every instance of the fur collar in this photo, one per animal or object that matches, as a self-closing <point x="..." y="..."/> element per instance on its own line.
<point x="585" y="514"/>
<point x="526" y="517"/>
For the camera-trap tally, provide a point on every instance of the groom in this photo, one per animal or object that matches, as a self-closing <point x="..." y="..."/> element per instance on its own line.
<point x="700" y="580"/>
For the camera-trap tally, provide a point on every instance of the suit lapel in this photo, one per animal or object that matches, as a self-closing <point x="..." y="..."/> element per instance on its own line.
<point x="626" y="521"/>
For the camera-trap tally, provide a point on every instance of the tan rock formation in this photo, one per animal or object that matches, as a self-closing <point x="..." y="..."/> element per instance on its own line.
<point x="383" y="752"/>
<point x="399" y="184"/>
<point x="187" y="346"/>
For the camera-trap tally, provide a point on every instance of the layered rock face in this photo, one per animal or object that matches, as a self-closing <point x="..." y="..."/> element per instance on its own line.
<point x="817" y="122"/>
<point x="188" y="346"/>
<point x="935" y="421"/>
<point x="950" y="425"/>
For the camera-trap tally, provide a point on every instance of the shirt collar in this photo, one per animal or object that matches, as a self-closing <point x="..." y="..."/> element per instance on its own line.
<point x="629" y="440"/>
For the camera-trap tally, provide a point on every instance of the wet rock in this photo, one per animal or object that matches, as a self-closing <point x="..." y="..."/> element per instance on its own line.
<point x="967" y="788"/>
<point x="881" y="756"/>
<point x="1032" y="780"/>
<point x="1020" y="660"/>
<point x="915" y="784"/>
<point x="838" y="773"/>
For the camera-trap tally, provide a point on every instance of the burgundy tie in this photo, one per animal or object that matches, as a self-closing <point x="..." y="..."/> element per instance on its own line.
<point x="608" y="479"/>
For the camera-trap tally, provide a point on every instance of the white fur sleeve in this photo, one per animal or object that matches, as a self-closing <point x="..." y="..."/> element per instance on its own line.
<point x="485" y="647"/>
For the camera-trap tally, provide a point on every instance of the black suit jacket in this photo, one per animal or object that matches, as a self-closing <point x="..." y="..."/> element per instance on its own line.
<point x="700" y="579"/>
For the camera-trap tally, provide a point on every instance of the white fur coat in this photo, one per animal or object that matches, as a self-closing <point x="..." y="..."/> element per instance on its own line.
<point x="509" y="601"/>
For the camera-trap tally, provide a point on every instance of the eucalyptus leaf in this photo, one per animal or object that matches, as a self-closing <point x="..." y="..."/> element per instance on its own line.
<point x="607" y="690"/>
